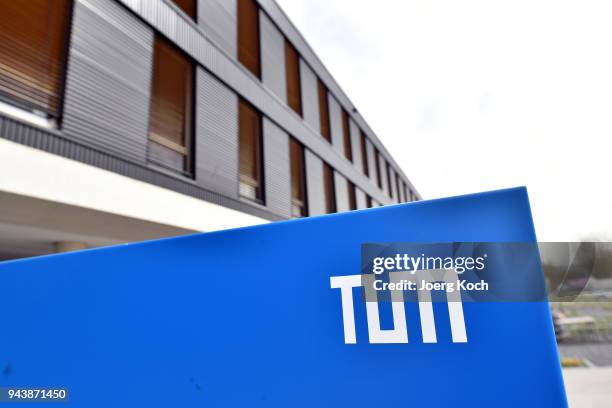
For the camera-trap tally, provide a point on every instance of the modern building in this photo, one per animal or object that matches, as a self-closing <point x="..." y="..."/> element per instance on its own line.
<point x="125" y="120"/>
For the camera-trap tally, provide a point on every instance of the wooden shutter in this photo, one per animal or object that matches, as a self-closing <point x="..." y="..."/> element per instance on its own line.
<point x="352" y="196"/>
<point x="292" y="70"/>
<point x="348" y="148"/>
<point x="389" y="182"/>
<point x="188" y="6"/>
<point x="324" y="111"/>
<point x="377" y="168"/>
<point x="330" y="190"/>
<point x="364" y="155"/>
<point x="298" y="180"/>
<point x="171" y="106"/>
<point x="397" y="187"/>
<point x="248" y="36"/>
<point x="33" y="43"/>
<point x="251" y="169"/>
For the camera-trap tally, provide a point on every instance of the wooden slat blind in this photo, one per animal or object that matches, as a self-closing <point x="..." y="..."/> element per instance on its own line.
<point x="171" y="105"/>
<point x="324" y="110"/>
<point x="346" y="132"/>
<point x="352" y="198"/>
<point x="248" y="36"/>
<point x="377" y="168"/>
<point x="292" y="70"/>
<point x="188" y="6"/>
<point x="389" y="181"/>
<point x="251" y="169"/>
<point x="397" y="187"/>
<point x="330" y="188"/>
<point x="298" y="180"/>
<point x="364" y="155"/>
<point x="33" y="36"/>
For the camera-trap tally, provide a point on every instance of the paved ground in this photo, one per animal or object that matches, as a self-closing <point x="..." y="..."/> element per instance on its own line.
<point x="600" y="354"/>
<point x="589" y="387"/>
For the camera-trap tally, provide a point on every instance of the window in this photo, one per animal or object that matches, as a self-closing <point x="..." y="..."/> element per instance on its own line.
<point x="298" y="180"/>
<point x="405" y="192"/>
<point x="397" y="188"/>
<point x="346" y="130"/>
<point x="188" y="6"/>
<point x="170" y="121"/>
<point x="377" y="169"/>
<point x="292" y="71"/>
<point x="389" y="180"/>
<point x="33" y="43"/>
<point x="251" y="163"/>
<point x="330" y="188"/>
<point x="368" y="201"/>
<point x="352" y="196"/>
<point x="324" y="111"/>
<point x="364" y="155"/>
<point x="248" y="36"/>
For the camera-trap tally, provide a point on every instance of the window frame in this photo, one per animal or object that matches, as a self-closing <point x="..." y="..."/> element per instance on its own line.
<point x="290" y="52"/>
<point x="256" y="36"/>
<point x="188" y="151"/>
<point x="346" y="136"/>
<point x="365" y="167"/>
<point x="36" y="114"/>
<point x="352" y="195"/>
<point x="329" y="187"/>
<point x="377" y="168"/>
<point x="302" y="204"/>
<point x="259" y="183"/>
<point x="324" y="119"/>
<point x="389" y="181"/>
<point x="397" y="187"/>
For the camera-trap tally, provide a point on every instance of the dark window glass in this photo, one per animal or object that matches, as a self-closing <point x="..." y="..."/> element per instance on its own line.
<point x="330" y="188"/>
<point x="324" y="111"/>
<point x="170" y="122"/>
<point x="251" y="163"/>
<point x="346" y="131"/>
<point x="352" y="196"/>
<point x="292" y="71"/>
<point x="298" y="180"/>
<point x="377" y="169"/>
<point x="364" y="155"/>
<point x="248" y="35"/>
<point x="405" y="191"/>
<point x="33" y="43"/>
<point x="368" y="201"/>
<point x="390" y="180"/>
<point x="188" y="6"/>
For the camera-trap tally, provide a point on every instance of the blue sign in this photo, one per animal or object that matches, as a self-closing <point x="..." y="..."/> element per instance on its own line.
<point x="279" y="316"/>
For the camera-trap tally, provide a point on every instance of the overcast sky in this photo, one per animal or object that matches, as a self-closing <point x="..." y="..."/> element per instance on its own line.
<point x="479" y="95"/>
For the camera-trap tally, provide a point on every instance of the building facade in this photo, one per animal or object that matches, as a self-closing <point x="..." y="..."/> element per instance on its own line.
<point x="124" y="120"/>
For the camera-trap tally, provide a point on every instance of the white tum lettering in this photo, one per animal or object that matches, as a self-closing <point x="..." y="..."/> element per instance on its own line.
<point x="425" y="281"/>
